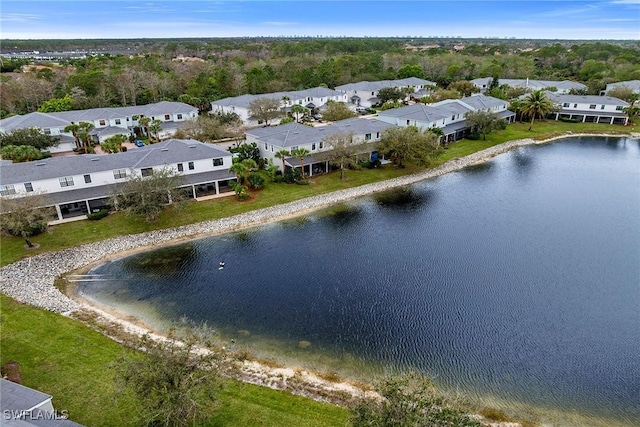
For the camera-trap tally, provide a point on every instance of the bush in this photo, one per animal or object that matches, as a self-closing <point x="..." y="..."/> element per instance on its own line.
<point x="256" y="181"/>
<point x="98" y="215"/>
<point x="292" y="176"/>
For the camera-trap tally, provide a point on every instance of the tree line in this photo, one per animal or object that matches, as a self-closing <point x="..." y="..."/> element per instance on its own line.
<point x="233" y="67"/>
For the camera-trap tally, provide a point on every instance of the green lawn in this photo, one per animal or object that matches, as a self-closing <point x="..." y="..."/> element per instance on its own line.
<point x="70" y="361"/>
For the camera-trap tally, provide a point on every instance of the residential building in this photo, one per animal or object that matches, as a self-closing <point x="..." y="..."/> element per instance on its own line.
<point x="562" y="87"/>
<point x="106" y="121"/>
<point x="22" y="406"/>
<point x="365" y="94"/>
<point x="312" y="99"/>
<point x="77" y="185"/>
<point x="634" y="85"/>
<point x="448" y="115"/>
<point x="590" y="108"/>
<point x="363" y="132"/>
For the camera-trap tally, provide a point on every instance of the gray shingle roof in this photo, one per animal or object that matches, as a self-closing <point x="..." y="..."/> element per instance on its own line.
<point x="243" y="101"/>
<point x="18" y="397"/>
<point x="377" y="85"/>
<point x="63" y="118"/>
<point x="532" y="83"/>
<point x="586" y="99"/>
<point x="295" y="134"/>
<point x="167" y="152"/>
<point x="417" y="112"/>
<point x="634" y="85"/>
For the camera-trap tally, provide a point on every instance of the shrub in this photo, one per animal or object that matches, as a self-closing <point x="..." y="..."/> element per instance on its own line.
<point x="98" y="215"/>
<point x="292" y="176"/>
<point x="256" y="181"/>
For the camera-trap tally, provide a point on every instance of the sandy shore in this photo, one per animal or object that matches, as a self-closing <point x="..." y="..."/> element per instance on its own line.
<point x="31" y="280"/>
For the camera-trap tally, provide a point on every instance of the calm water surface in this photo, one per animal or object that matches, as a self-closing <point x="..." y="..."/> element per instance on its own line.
<point x="518" y="279"/>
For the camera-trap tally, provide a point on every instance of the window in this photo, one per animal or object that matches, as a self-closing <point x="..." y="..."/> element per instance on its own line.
<point x="453" y="118"/>
<point x="167" y="117"/>
<point x="191" y="166"/>
<point x="118" y="121"/>
<point x="179" y="116"/>
<point x="592" y="106"/>
<point x="218" y="161"/>
<point x="47" y="131"/>
<point x="566" y="104"/>
<point x="6" y="190"/>
<point x="408" y="122"/>
<point x="313" y="146"/>
<point x="28" y="187"/>
<point x="294" y="148"/>
<point x="146" y="171"/>
<point x="266" y="147"/>
<point x="67" y="181"/>
<point x="120" y="173"/>
<point x="87" y="179"/>
<point x="619" y="108"/>
<point x="367" y="137"/>
<point x="321" y="145"/>
<point x="103" y="122"/>
<point x="575" y="105"/>
<point x="602" y="107"/>
<point x="378" y="135"/>
<point x="180" y="167"/>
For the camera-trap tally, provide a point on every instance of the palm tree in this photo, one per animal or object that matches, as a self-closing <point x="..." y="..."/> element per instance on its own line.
<point x="144" y="122"/>
<point x="243" y="169"/>
<point x="74" y="128"/>
<point x="536" y="105"/>
<point x="282" y="154"/>
<point x="84" y="134"/>
<point x="301" y="153"/>
<point x="298" y="109"/>
<point x="154" y="128"/>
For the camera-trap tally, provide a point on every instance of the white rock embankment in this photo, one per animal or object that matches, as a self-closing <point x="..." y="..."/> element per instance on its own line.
<point x="31" y="280"/>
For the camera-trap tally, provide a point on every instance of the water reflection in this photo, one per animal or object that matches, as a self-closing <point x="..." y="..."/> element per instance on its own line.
<point x="405" y="199"/>
<point x="162" y="261"/>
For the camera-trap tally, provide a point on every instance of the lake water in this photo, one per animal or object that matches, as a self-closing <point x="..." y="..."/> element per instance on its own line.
<point x="517" y="280"/>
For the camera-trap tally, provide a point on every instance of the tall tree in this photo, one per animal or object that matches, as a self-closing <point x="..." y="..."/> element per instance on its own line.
<point x="464" y="87"/>
<point x="147" y="196"/>
<point x="282" y="155"/>
<point x="144" y="122"/>
<point x="155" y="127"/>
<point x="342" y="151"/>
<point x="297" y="110"/>
<point x="482" y="122"/>
<point x="536" y="104"/>
<point x="301" y="153"/>
<point x="25" y="216"/>
<point x="74" y="128"/>
<point x="84" y="134"/>
<point x="390" y="94"/>
<point x="408" y="145"/>
<point x="265" y="109"/>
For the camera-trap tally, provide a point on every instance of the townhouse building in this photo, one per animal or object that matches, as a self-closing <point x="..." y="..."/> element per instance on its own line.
<point x="589" y="108"/>
<point x="365" y="94"/>
<point x="562" y="87"/>
<point x="313" y="99"/>
<point x="448" y="115"/>
<point x="77" y="185"/>
<point x="106" y="121"/>
<point x="363" y="133"/>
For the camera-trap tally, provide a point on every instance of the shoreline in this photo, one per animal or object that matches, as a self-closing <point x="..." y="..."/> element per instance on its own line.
<point x="32" y="280"/>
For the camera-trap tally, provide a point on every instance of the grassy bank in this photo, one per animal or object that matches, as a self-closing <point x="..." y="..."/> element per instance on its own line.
<point x="70" y="361"/>
<point x="80" y="232"/>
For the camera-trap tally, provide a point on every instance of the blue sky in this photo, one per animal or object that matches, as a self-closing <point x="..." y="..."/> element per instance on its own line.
<point x="542" y="19"/>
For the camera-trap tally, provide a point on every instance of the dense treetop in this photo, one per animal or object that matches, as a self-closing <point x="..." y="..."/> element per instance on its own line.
<point x="133" y="72"/>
